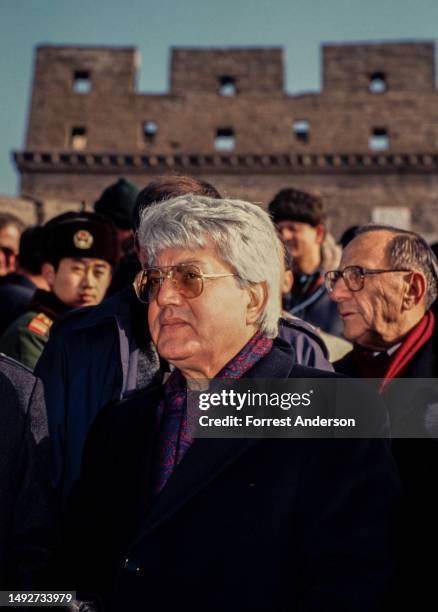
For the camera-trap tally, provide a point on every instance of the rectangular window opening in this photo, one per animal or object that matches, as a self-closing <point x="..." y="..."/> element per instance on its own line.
<point x="227" y="86"/>
<point x="377" y="83"/>
<point x="81" y="82"/>
<point x="78" y="138"/>
<point x="225" y="139"/>
<point x="150" y="129"/>
<point x="379" y="139"/>
<point x="301" y="129"/>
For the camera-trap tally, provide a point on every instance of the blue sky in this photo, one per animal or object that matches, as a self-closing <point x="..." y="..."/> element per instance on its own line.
<point x="300" y="26"/>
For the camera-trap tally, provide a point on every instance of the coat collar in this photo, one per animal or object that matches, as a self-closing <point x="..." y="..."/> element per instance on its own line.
<point x="208" y="458"/>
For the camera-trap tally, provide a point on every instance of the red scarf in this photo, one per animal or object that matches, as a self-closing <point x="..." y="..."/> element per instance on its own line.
<point x="386" y="366"/>
<point x="414" y="341"/>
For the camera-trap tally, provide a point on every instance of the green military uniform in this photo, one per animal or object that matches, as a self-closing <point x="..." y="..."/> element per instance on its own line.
<point x="26" y="337"/>
<point x="70" y="235"/>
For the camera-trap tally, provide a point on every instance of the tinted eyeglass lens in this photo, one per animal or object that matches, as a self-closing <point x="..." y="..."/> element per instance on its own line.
<point x="188" y="280"/>
<point x="152" y="283"/>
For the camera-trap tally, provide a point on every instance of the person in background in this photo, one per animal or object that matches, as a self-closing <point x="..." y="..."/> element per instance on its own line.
<point x="313" y="347"/>
<point x="28" y="509"/>
<point x="79" y="252"/>
<point x="300" y="219"/>
<point x="17" y="288"/>
<point x="102" y="354"/>
<point x="10" y="231"/>
<point x="310" y="348"/>
<point x="117" y="203"/>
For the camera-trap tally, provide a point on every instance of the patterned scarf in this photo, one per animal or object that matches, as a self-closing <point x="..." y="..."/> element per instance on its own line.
<point x="173" y="438"/>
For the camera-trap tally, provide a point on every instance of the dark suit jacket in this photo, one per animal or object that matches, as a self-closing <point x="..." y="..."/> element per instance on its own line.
<point x="242" y="524"/>
<point x="412" y="409"/>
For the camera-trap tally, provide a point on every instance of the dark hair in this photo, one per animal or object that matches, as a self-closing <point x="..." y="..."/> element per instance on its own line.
<point x="166" y="187"/>
<point x="30" y="256"/>
<point x="294" y="205"/>
<point x="348" y="235"/>
<point x="9" y="219"/>
<point x="410" y="250"/>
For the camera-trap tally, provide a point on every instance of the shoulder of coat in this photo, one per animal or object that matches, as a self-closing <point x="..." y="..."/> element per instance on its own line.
<point x="40" y="324"/>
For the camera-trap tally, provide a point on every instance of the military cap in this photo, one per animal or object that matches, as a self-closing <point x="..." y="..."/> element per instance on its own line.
<point x="117" y="203"/>
<point x="294" y="205"/>
<point x="80" y="234"/>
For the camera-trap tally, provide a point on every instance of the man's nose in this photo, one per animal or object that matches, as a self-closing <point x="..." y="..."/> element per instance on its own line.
<point x="88" y="279"/>
<point x="340" y="291"/>
<point x="286" y="233"/>
<point x="168" y="293"/>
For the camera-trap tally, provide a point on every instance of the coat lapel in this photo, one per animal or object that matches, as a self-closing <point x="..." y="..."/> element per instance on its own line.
<point x="208" y="458"/>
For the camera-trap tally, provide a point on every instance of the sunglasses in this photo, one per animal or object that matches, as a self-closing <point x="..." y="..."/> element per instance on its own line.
<point x="354" y="276"/>
<point x="187" y="279"/>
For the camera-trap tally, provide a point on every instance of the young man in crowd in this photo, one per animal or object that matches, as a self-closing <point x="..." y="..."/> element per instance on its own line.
<point x="10" y="232"/>
<point x="300" y="219"/>
<point x="80" y="250"/>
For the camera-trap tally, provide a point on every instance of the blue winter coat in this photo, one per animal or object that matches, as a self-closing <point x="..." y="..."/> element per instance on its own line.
<point x="90" y="360"/>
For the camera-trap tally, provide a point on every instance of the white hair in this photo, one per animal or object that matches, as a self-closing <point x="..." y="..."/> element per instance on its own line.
<point x="242" y="234"/>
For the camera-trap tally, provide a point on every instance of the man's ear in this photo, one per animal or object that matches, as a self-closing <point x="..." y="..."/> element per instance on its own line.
<point x="320" y="233"/>
<point x="258" y="296"/>
<point x="288" y="282"/>
<point x="416" y="290"/>
<point x="48" y="272"/>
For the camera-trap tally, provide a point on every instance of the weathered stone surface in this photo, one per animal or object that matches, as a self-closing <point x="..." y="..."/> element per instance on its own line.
<point x="335" y="159"/>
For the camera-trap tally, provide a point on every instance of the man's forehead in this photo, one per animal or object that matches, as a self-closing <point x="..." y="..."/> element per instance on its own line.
<point x="367" y="250"/>
<point x="89" y="261"/>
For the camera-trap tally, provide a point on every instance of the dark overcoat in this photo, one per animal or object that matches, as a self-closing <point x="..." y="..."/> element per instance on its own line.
<point x="242" y="524"/>
<point x="413" y="412"/>
<point x="26" y="501"/>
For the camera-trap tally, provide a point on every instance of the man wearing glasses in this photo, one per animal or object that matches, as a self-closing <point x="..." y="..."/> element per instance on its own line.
<point x="384" y="289"/>
<point x="10" y="231"/>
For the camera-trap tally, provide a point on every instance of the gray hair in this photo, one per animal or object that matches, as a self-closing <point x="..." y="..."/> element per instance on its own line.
<point x="242" y="234"/>
<point x="409" y="250"/>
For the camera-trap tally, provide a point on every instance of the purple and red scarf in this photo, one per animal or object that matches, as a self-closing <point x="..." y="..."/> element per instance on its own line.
<point x="173" y="437"/>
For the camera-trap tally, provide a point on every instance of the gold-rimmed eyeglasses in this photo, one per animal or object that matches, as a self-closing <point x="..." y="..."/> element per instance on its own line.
<point x="187" y="279"/>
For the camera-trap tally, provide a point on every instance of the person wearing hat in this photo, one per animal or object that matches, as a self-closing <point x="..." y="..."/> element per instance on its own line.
<point x="300" y="220"/>
<point x="117" y="203"/>
<point x="80" y="250"/>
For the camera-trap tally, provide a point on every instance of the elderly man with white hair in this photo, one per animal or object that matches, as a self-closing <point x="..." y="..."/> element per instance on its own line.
<point x="162" y="521"/>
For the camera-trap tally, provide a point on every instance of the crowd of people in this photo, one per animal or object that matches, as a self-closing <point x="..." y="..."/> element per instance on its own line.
<point x="107" y="318"/>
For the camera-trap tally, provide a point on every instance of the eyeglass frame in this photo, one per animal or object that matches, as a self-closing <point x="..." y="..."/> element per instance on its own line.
<point x="363" y="272"/>
<point x="169" y="275"/>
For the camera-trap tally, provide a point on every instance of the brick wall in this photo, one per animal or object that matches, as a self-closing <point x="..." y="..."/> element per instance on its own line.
<point x="377" y="100"/>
